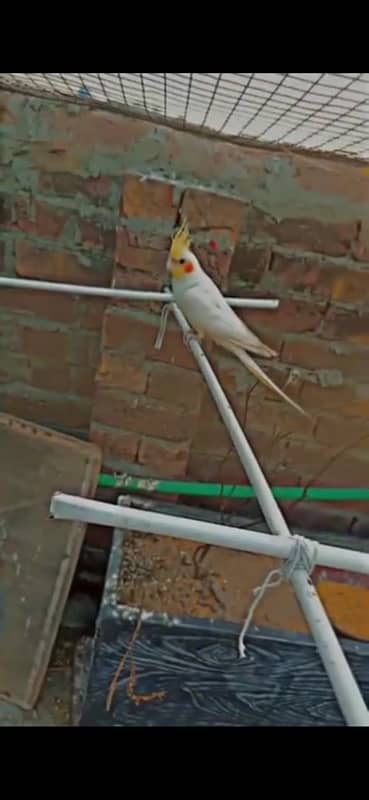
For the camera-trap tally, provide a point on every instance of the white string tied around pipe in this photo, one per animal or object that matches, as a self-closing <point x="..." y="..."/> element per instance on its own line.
<point x="303" y="555"/>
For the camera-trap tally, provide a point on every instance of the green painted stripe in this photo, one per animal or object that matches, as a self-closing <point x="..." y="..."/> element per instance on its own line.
<point x="194" y="489"/>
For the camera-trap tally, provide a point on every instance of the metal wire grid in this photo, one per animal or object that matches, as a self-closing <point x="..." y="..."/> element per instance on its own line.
<point x="326" y="111"/>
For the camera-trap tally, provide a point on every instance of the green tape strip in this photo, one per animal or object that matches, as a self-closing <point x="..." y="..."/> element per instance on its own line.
<point x="194" y="489"/>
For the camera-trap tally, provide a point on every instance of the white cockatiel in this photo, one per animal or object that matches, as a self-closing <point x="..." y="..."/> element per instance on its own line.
<point x="208" y="312"/>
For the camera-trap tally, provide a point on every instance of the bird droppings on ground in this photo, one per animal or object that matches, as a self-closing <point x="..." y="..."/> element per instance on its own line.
<point x="182" y="578"/>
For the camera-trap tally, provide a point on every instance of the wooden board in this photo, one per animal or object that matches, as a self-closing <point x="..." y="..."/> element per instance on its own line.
<point x="38" y="555"/>
<point x="187" y="672"/>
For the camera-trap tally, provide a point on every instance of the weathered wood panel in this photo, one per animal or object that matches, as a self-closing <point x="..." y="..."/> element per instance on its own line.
<point x="38" y="556"/>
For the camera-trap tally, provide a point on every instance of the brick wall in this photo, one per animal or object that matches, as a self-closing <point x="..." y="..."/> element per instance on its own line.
<point x="74" y="207"/>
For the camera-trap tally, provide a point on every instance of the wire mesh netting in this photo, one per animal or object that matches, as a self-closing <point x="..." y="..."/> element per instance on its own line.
<point x="326" y="111"/>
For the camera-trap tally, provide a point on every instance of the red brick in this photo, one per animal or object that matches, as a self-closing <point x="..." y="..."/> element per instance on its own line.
<point x="299" y="274"/>
<point x="330" y="177"/>
<point x="89" y="312"/>
<point x="10" y="339"/>
<point x="351" y="287"/>
<point x="2" y="256"/>
<point x="57" y="156"/>
<point x="83" y="348"/>
<point x="203" y="468"/>
<point x="216" y="263"/>
<point x="53" y="379"/>
<point x="70" y="413"/>
<point x="163" y="458"/>
<point x="359" y="408"/>
<point x="44" y="305"/>
<point x="360" y="247"/>
<point x="44" y="344"/>
<point x="304" y="457"/>
<point x="14" y="367"/>
<point x="174" y="351"/>
<point x="98" y="129"/>
<point x="6" y="118"/>
<point x="142" y="415"/>
<point x="115" y="371"/>
<point x="273" y="415"/>
<point x="149" y="199"/>
<point x="211" y="435"/>
<point x="322" y="279"/>
<point x="83" y="381"/>
<point x="182" y="387"/>
<point x="146" y="259"/>
<point x="205" y="210"/>
<point x="93" y="235"/>
<point x="126" y="278"/>
<point x="349" y="327"/>
<point x="330" y="431"/>
<point x="235" y="379"/>
<point x="291" y="316"/>
<point x="332" y="239"/>
<point x="343" y="400"/>
<point x="54" y="265"/>
<point x="115" y="443"/>
<point x="312" y="354"/>
<point x="248" y="265"/>
<point x="6" y="215"/>
<point x="35" y="218"/>
<point x="208" y="159"/>
<point x="220" y="217"/>
<point x="40" y="220"/>
<point x="229" y="470"/>
<point x="69" y="185"/>
<point x="326" y="466"/>
<point x="128" y="333"/>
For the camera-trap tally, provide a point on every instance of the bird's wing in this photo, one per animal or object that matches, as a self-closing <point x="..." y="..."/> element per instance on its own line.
<point x="208" y="312"/>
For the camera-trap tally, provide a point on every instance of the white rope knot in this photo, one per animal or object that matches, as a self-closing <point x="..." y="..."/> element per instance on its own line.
<point x="303" y="555"/>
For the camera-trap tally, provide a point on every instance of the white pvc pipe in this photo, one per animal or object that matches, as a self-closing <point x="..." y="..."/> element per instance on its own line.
<point x="122" y="294"/>
<point x="67" y="506"/>
<point x="343" y="682"/>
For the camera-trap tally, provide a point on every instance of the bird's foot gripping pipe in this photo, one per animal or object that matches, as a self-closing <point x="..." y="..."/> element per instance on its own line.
<point x="190" y="336"/>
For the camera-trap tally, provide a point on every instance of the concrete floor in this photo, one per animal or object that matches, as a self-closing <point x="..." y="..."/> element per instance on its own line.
<point x="54" y="707"/>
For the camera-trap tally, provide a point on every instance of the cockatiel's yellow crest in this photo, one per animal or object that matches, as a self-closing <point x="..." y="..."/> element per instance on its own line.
<point x="181" y="242"/>
<point x="180" y="256"/>
<point x="209" y="313"/>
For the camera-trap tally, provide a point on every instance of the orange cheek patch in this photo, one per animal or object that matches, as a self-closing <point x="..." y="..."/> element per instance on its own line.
<point x="188" y="267"/>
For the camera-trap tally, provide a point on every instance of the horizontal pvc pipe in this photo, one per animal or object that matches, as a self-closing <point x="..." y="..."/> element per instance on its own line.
<point x="196" y="489"/>
<point x="122" y="294"/>
<point x="66" y="506"/>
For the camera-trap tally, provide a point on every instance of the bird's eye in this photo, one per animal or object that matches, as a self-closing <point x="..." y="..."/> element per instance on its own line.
<point x="182" y="260"/>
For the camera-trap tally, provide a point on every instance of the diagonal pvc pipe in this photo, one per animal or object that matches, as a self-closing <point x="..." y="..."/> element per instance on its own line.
<point x="343" y="682"/>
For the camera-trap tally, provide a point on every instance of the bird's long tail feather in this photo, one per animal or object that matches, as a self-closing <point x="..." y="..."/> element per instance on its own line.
<point x="251" y="365"/>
